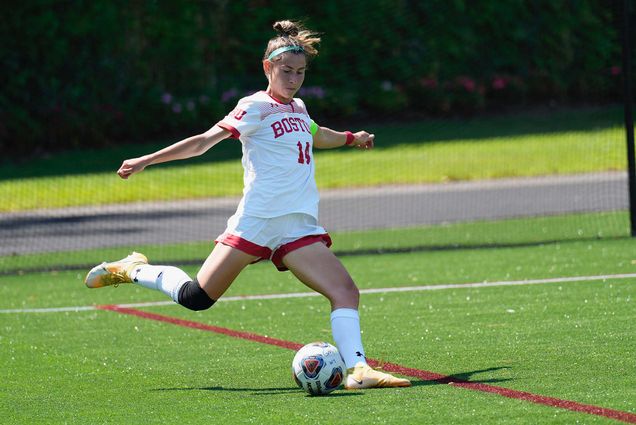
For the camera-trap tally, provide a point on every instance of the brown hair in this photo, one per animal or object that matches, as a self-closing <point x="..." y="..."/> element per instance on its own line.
<point x="292" y="33"/>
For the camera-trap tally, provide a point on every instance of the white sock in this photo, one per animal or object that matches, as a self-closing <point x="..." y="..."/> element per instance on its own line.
<point x="345" y="327"/>
<point x="166" y="279"/>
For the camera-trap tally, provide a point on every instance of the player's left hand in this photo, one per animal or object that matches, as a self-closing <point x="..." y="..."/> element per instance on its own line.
<point x="363" y="140"/>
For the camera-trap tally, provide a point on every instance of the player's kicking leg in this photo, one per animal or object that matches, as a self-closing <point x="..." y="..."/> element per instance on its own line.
<point x="317" y="267"/>
<point x="216" y="275"/>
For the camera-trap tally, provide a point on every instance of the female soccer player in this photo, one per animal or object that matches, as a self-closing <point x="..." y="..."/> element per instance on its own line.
<point x="277" y="217"/>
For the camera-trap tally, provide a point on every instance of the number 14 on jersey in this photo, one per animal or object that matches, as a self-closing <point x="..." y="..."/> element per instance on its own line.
<point x="304" y="157"/>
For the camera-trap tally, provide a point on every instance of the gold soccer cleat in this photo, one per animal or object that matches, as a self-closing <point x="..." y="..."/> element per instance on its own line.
<point x="112" y="274"/>
<point x="362" y="376"/>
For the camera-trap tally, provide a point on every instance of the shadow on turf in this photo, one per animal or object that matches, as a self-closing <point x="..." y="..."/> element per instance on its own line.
<point x="471" y="246"/>
<point x="254" y="391"/>
<point x="456" y="377"/>
<point x="465" y="377"/>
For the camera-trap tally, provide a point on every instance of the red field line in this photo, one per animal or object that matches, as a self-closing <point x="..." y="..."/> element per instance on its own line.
<point x="391" y="367"/>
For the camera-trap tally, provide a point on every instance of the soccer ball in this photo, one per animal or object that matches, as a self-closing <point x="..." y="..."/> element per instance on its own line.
<point x="318" y="368"/>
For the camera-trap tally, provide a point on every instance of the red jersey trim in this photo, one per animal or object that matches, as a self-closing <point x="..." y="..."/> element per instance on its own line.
<point x="235" y="133"/>
<point x="283" y="250"/>
<point x="246" y="246"/>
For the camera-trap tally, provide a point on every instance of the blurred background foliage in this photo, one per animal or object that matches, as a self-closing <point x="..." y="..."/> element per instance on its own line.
<point x="91" y="73"/>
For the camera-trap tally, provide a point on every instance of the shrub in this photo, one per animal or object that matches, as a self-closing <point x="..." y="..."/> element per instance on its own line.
<point x="103" y="72"/>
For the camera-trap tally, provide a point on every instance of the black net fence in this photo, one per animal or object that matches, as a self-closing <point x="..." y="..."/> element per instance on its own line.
<point x="496" y="124"/>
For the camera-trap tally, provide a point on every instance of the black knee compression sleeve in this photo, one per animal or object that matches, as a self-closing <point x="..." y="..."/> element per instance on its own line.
<point x="193" y="297"/>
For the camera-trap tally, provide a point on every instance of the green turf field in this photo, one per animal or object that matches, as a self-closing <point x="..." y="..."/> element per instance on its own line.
<point x="567" y="331"/>
<point x="568" y="339"/>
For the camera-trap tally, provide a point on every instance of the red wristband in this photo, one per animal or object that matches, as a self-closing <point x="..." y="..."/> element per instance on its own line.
<point x="350" y="137"/>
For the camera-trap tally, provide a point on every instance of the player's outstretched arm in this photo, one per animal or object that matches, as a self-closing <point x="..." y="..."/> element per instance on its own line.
<point x="326" y="138"/>
<point x="186" y="148"/>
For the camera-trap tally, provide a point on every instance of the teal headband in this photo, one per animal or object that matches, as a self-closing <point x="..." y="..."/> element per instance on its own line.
<point x="295" y="49"/>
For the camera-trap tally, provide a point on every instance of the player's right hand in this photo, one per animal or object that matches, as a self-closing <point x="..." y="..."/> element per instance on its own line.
<point x="363" y="140"/>
<point x="131" y="166"/>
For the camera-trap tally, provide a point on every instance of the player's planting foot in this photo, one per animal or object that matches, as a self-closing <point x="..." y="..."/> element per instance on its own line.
<point x="362" y="376"/>
<point x="109" y="274"/>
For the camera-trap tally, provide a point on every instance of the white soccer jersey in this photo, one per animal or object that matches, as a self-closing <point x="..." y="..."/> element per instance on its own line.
<point x="278" y="161"/>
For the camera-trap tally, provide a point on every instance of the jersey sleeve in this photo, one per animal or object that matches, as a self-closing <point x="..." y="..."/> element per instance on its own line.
<point x="244" y="119"/>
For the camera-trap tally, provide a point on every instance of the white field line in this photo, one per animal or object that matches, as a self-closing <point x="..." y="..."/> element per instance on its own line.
<point x="362" y="291"/>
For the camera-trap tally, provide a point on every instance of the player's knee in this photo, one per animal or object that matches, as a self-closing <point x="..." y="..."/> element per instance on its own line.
<point x="192" y="296"/>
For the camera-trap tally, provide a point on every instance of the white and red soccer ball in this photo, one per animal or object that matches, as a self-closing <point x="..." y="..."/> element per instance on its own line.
<point x="318" y="368"/>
